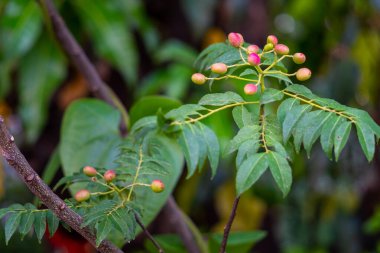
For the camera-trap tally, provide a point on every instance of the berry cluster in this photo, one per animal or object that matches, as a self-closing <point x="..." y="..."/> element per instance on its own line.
<point x="106" y="179"/>
<point x="252" y="56"/>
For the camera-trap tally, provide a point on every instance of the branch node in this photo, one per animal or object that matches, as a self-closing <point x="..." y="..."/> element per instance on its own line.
<point x="61" y="207"/>
<point x="30" y="177"/>
<point x="11" y="139"/>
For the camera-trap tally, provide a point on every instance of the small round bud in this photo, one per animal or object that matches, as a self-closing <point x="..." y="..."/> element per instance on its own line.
<point x="250" y="89"/>
<point x="281" y="49"/>
<point x="268" y="47"/>
<point x="157" y="186"/>
<point x="272" y="39"/>
<point x="253" y="49"/>
<point x="253" y="59"/>
<point x="303" y="74"/>
<point x="235" y="39"/>
<point x="219" y="68"/>
<point x="299" y="58"/>
<point x="109" y="175"/>
<point x="89" y="171"/>
<point x="82" y="195"/>
<point x="198" y="78"/>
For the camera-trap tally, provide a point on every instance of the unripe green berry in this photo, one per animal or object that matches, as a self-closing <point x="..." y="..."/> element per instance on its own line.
<point x="299" y="58"/>
<point x="253" y="59"/>
<point x="303" y="74"/>
<point x="219" y="68"/>
<point x="157" y="186"/>
<point x="89" y="171"/>
<point x="250" y="89"/>
<point x="268" y="47"/>
<point x="281" y="49"/>
<point x="253" y="49"/>
<point x="109" y="175"/>
<point x="82" y="195"/>
<point x="235" y="39"/>
<point x="272" y="39"/>
<point x="198" y="78"/>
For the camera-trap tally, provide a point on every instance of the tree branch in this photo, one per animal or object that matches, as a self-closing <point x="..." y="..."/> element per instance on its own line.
<point x="227" y="228"/>
<point x="35" y="184"/>
<point x="148" y="234"/>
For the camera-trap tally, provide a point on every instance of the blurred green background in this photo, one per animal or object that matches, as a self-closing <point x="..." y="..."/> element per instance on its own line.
<point x="148" y="47"/>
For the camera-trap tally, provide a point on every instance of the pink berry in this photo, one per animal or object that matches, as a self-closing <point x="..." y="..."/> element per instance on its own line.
<point x="250" y="89"/>
<point x="157" y="186"/>
<point x="89" y="171"/>
<point x="219" y="68"/>
<point x="253" y="49"/>
<point x="303" y="74"/>
<point x="281" y="49"/>
<point x="82" y="195"/>
<point x="254" y="59"/>
<point x="198" y="78"/>
<point x="235" y="39"/>
<point x="299" y="58"/>
<point x="272" y="39"/>
<point x="109" y="175"/>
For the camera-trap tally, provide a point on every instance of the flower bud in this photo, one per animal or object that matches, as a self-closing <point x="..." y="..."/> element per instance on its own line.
<point x="281" y="49"/>
<point x="250" y="89"/>
<point x="299" y="58"/>
<point x="157" y="186"/>
<point x="89" y="171"/>
<point x="303" y="74"/>
<point x="268" y="47"/>
<point x="109" y="175"/>
<point x="253" y="49"/>
<point x="198" y="78"/>
<point x="235" y="39"/>
<point x="219" y="68"/>
<point x="253" y="59"/>
<point x="82" y="195"/>
<point x="272" y="39"/>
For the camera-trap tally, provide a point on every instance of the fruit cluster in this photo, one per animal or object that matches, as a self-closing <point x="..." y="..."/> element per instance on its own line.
<point x="106" y="179"/>
<point x="253" y="58"/>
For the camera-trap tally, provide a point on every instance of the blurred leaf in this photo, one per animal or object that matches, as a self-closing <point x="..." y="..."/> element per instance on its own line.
<point x="41" y="72"/>
<point x="220" y="99"/>
<point x="240" y="242"/>
<point x="52" y="221"/>
<point x="171" y="243"/>
<point x="190" y="148"/>
<point x="11" y="225"/>
<point x="270" y="95"/>
<point x="174" y="50"/>
<point x="40" y="225"/>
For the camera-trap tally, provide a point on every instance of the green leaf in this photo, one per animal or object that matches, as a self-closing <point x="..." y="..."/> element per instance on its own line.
<point x="177" y="51"/>
<point x="248" y="72"/>
<point x="239" y="242"/>
<point x="3" y="212"/>
<point x="285" y="107"/>
<point x="41" y="72"/>
<point x="270" y="95"/>
<point x="52" y="221"/>
<point x="250" y="171"/>
<point x="190" y="148"/>
<point x="363" y="116"/>
<point x="292" y="118"/>
<point x="327" y="134"/>
<point x="212" y="145"/>
<point x="184" y="111"/>
<point x="246" y="149"/>
<point x="103" y="228"/>
<point x="314" y="129"/>
<point x="220" y="99"/>
<point x="11" y="225"/>
<point x="111" y="34"/>
<point x="27" y="219"/>
<point x="250" y="132"/>
<point x="242" y="116"/>
<point x="340" y="138"/>
<point x="299" y="89"/>
<point x="281" y="171"/>
<point x="40" y="224"/>
<point x="281" y="77"/>
<point x="366" y="139"/>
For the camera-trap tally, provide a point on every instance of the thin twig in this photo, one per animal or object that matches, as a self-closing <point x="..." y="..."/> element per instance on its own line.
<point x="148" y="234"/>
<point x="227" y="228"/>
<point x="16" y="159"/>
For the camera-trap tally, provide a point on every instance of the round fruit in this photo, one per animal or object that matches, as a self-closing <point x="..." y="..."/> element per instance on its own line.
<point x="299" y="58"/>
<point x="198" y="78"/>
<point x="109" y="175"/>
<point x="253" y="49"/>
<point x="254" y="59"/>
<point x="303" y="74"/>
<point x="82" y="195"/>
<point x="250" y="89"/>
<point x="235" y="39"/>
<point x="89" y="171"/>
<point x="272" y="39"/>
<point x="219" y="68"/>
<point x="157" y="186"/>
<point x="281" y="49"/>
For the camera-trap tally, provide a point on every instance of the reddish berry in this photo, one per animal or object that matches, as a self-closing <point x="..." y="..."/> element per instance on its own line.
<point x="253" y="49"/>
<point x="303" y="74"/>
<point x="268" y="47"/>
<point x="198" y="78"/>
<point x="219" y="68"/>
<point x="82" y="195"/>
<point x="281" y="49"/>
<point x="254" y="59"/>
<point x="272" y="39"/>
<point x="235" y="39"/>
<point x="299" y="58"/>
<point x="89" y="171"/>
<point x="109" y="175"/>
<point x="157" y="186"/>
<point x="250" y="89"/>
